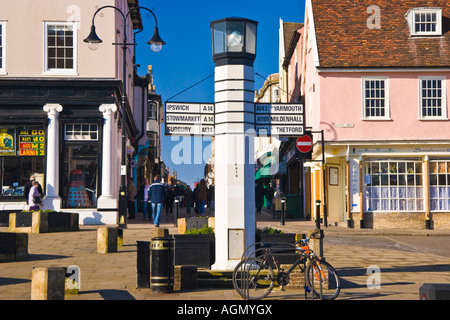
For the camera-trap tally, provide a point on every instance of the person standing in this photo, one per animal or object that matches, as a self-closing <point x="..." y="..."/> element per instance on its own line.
<point x="188" y="199"/>
<point x="143" y="196"/>
<point x="28" y="185"/>
<point x="34" y="196"/>
<point x="269" y="196"/>
<point x="132" y="192"/>
<point x="157" y="194"/>
<point x="202" y="196"/>
<point x="259" y="196"/>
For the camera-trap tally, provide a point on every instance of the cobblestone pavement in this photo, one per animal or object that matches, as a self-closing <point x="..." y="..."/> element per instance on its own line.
<point x="405" y="258"/>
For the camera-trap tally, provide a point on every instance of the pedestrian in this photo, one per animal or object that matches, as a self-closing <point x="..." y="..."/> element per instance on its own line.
<point x="132" y="193"/>
<point x="28" y="185"/>
<point x="143" y="197"/>
<point x="34" y="197"/>
<point x="268" y="192"/>
<point x="259" y="194"/>
<point x="188" y="199"/>
<point x="211" y="197"/>
<point x="195" y="197"/>
<point x="202" y="196"/>
<point x="170" y="198"/>
<point x="157" y="194"/>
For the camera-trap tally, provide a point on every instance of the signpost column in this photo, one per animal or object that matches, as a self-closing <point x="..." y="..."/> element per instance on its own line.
<point x="234" y="51"/>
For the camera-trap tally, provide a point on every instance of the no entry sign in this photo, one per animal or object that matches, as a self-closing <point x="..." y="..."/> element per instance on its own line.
<point x="304" y="144"/>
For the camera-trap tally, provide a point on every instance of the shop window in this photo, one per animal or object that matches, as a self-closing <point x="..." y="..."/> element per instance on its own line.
<point x="80" y="175"/>
<point x="22" y="151"/>
<point x="393" y="186"/>
<point x="440" y="185"/>
<point x="81" y="131"/>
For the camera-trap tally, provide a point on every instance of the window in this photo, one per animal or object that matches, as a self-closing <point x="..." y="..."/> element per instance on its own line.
<point x="2" y="47"/>
<point x="81" y="131"/>
<point x="60" y="48"/>
<point x="425" y="21"/>
<point x="432" y="98"/>
<point x="152" y="109"/>
<point x="22" y="154"/>
<point x="440" y="185"/>
<point x="375" y="98"/>
<point x="393" y="185"/>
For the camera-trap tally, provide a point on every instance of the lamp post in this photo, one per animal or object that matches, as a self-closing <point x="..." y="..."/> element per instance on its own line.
<point x="234" y="51"/>
<point x="156" y="43"/>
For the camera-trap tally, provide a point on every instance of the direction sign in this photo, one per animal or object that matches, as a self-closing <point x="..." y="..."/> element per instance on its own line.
<point x="304" y="144"/>
<point x="186" y="118"/>
<point x="282" y="119"/>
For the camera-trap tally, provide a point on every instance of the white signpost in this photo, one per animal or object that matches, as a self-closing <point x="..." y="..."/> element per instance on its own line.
<point x="282" y="119"/>
<point x="186" y="118"/>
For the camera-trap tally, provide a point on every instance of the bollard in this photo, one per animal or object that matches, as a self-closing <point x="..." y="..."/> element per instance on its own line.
<point x="283" y="211"/>
<point x="318" y="214"/>
<point x="119" y="237"/>
<point x="48" y="283"/>
<point x="176" y="212"/>
<point x="107" y="240"/>
<point x="162" y="268"/>
<point x="143" y="264"/>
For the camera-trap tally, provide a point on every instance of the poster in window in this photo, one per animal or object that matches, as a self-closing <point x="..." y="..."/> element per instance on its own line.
<point x="7" y="143"/>
<point x="31" y="142"/>
<point x="334" y="176"/>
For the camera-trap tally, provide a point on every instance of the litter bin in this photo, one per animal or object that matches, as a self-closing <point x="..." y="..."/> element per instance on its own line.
<point x="162" y="274"/>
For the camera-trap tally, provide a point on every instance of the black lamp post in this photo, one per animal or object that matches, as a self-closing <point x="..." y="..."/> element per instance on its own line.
<point x="156" y="43"/>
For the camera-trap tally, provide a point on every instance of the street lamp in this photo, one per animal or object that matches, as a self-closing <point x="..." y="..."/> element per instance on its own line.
<point x="156" y="43"/>
<point x="234" y="41"/>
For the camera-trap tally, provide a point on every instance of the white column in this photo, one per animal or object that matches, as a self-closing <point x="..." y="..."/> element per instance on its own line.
<point x="234" y="164"/>
<point x="52" y="200"/>
<point x="107" y="199"/>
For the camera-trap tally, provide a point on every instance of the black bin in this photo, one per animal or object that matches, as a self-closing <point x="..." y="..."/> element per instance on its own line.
<point x="161" y="279"/>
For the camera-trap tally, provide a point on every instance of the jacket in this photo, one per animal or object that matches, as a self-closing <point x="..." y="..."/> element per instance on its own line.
<point x="157" y="192"/>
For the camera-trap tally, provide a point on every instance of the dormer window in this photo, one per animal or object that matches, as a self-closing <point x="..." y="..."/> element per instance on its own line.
<point x="425" y="21"/>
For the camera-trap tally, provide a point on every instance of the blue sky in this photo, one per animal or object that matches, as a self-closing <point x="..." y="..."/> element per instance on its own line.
<point x="186" y="58"/>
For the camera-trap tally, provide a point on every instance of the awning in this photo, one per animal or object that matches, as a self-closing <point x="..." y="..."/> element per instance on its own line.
<point x="263" y="173"/>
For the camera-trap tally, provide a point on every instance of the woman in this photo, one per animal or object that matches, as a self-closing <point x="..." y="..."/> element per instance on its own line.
<point x="34" y="196"/>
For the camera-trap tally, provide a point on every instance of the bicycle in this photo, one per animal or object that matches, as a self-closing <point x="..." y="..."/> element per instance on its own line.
<point x="254" y="277"/>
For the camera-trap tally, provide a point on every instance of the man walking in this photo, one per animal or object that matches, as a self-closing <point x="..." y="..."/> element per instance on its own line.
<point x="157" y="194"/>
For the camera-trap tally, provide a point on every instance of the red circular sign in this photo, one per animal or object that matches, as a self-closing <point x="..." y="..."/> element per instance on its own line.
<point x="304" y="144"/>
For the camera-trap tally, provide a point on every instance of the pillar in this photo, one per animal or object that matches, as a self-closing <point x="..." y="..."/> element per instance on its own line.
<point x="52" y="199"/>
<point x="107" y="199"/>
<point x="234" y="164"/>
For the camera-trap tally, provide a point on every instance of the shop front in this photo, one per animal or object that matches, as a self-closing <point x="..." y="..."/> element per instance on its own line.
<point x="390" y="185"/>
<point x="67" y="135"/>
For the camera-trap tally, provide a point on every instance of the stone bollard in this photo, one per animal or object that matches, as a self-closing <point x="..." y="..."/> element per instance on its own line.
<point x="48" y="283"/>
<point x="316" y="242"/>
<point x="107" y="240"/>
<point x="159" y="233"/>
<point x="434" y="291"/>
<point x="185" y="278"/>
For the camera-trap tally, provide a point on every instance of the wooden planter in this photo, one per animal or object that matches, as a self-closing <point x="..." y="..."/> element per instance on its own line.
<point x="195" y="249"/>
<point x="279" y="238"/>
<point x="41" y="222"/>
<point x="13" y="246"/>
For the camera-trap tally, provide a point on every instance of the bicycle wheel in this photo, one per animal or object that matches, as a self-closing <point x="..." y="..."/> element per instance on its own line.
<point x="253" y="279"/>
<point x="323" y="280"/>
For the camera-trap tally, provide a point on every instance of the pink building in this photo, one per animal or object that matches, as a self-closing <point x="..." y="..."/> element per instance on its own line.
<point x="374" y="75"/>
